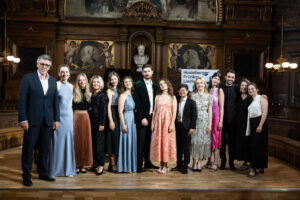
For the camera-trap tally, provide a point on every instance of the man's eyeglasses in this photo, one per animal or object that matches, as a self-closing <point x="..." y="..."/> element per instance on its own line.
<point x="44" y="65"/>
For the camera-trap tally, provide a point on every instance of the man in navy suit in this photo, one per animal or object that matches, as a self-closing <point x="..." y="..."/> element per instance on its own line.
<point x="38" y="116"/>
<point x="186" y="118"/>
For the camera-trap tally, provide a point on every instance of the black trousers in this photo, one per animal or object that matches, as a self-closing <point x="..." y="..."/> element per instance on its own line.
<point x="39" y="137"/>
<point x="143" y="143"/>
<point x="98" y="141"/>
<point x="183" y="142"/>
<point x="228" y="133"/>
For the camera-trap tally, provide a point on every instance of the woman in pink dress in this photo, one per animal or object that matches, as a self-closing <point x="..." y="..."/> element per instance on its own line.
<point x="217" y="118"/>
<point x="163" y="140"/>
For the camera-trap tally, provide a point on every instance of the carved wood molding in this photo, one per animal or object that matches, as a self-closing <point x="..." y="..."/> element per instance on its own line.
<point x="142" y="10"/>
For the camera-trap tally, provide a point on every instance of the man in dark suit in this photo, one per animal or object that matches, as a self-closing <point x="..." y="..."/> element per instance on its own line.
<point x="185" y="125"/>
<point x="231" y="94"/>
<point x="144" y="93"/>
<point x="38" y="116"/>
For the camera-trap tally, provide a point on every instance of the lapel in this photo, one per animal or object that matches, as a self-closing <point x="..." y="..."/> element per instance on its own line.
<point x="38" y="83"/>
<point x="145" y="89"/>
<point x="49" y="85"/>
<point x="185" y="107"/>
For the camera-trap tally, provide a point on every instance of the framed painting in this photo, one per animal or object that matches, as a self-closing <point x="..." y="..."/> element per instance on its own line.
<point x="191" y="56"/>
<point x="89" y="55"/>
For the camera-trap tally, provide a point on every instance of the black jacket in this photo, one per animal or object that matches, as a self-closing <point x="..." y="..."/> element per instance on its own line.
<point x="189" y="117"/>
<point x="98" y="110"/>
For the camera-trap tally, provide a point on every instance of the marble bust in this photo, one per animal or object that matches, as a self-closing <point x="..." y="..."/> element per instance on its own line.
<point x="140" y="59"/>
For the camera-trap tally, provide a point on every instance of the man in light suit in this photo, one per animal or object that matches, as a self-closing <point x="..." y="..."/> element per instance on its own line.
<point x="38" y="116"/>
<point x="185" y="124"/>
<point x="144" y="94"/>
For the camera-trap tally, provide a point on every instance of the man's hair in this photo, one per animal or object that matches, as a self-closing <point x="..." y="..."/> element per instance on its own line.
<point x="44" y="57"/>
<point x="230" y="71"/>
<point x="147" y="65"/>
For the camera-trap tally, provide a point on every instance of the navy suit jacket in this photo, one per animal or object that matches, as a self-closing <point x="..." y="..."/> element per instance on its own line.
<point x="33" y="105"/>
<point x="189" y="117"/>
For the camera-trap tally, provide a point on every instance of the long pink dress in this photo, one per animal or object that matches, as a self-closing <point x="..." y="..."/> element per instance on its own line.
<point x="216" y="135"/>
<point x="163" y="143"/>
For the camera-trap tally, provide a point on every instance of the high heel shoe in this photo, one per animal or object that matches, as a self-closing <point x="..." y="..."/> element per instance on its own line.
<point x="165" y="170"/>
<point x="99" y="173"/>
<point x="252" y="174"/>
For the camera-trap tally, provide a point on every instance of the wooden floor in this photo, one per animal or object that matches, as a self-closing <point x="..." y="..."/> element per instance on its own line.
<point x="280" y="181"/>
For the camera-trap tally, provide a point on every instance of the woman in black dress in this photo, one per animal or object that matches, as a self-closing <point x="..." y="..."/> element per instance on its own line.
<point x="98" y="116"/>
<point x="242" y="141"/>
<point x="257" y="127"/>
<point x="112" y="130"/>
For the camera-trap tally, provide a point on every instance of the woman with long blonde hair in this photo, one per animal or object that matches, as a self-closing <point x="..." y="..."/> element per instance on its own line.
<point x="201" y="139"/>
<point x="82" y="124"/>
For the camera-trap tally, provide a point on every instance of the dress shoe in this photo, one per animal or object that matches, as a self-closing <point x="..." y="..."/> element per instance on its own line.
<point x="27" y="182"/>
<point x="99" y="173"/>
<point x="184" y="171"/>
<point x="150" y="166"/>
<point x="139" y="170"/>
<point x="177" y="168"/>
<point x="232" y="167"/>
<point x="47" y="178"/>
<point x="222" y="167"/>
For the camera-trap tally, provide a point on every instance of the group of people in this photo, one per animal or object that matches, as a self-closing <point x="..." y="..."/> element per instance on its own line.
<point x="74" y="127"/>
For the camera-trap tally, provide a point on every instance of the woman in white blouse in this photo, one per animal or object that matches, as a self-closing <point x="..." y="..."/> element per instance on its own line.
<point x="257" y="128"/>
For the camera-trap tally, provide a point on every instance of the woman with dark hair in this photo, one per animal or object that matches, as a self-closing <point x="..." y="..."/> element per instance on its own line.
<point x="82" y="123"/>
<point x="127" y="158"/>
<point x="112" y="134"/>
<point x="257" y="127"/>
<point x="217" y="118"/>
<point x="98" y="116"/>
<point x="242" y="151"/>
<point x="163" y="140"/>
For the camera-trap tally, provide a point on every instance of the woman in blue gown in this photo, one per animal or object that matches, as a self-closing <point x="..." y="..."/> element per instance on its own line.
<point x="62" y="156"/>
<point x="127" y="159"/>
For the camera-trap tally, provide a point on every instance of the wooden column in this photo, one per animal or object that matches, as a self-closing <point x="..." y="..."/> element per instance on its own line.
<point x="123" y="40"/>
<point x="158" y="54"/>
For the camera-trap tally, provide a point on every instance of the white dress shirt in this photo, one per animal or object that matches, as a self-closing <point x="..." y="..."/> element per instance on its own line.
<point x="181" y="108"/>
<point x="150" y="94"/>
<point x="44" y="82"/>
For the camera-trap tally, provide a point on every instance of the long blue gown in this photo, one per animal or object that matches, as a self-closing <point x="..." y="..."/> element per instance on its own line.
<point x="127" y="159"/>
<point x="62" y="155"/>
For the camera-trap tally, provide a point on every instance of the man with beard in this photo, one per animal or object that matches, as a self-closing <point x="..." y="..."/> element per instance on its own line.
<point x="231" y="93"/>
<point x="144" y="94"/>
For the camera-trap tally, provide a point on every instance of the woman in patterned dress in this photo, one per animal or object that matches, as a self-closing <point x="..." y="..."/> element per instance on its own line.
<point x="163" y="140"/>
<point x="201" y="139"/>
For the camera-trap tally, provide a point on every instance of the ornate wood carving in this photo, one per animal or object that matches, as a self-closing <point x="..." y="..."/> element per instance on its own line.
<point x="142" y="10"/>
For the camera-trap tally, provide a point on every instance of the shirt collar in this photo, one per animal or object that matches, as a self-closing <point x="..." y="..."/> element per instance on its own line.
<point x="40" y="76"/>
<point x="148" y="81"/>
<point x="183" y="100"/>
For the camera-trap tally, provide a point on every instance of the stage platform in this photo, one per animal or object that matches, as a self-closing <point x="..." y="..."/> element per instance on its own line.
<point x="280" y="181"/>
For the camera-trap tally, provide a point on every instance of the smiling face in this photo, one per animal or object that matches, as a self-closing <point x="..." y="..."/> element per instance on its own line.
<point x="128" y="83"/>
<point x="163" y="85"/>
<point x="96" y="84"/>
<point x="200" y="84"/>
<point x="252" y="90"/>
<point x="43" y="66"/>
<point x="229" y="78"/>
<point x="183" y="92"/>
<point x="215" y="81"/>
<point x="114" y="81"/>
<point x="81" y="82"/>
<point x="147" y="73"/>
<point x="64" y="73"/>
<point x="243" y="87"/>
